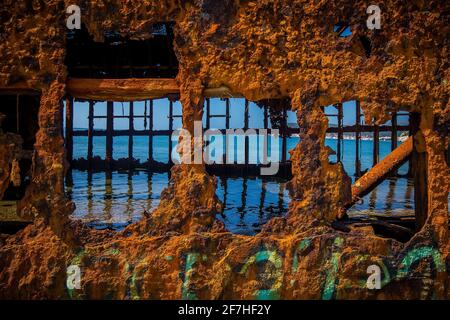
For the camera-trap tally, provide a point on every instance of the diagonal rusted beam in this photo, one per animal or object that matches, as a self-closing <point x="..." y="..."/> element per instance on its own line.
<point x="381" y="170"/>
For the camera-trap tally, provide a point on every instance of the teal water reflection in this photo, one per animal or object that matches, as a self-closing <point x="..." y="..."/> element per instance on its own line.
<point x="119" y="198"/>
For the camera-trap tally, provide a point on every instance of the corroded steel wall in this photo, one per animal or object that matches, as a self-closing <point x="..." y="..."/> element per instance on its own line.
<point x="261" y="49"/>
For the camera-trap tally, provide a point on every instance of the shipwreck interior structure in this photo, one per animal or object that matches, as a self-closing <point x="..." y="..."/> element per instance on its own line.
<point x="93" y="168"/>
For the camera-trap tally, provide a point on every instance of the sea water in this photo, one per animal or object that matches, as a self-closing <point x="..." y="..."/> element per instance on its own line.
<point x="119" y="198"/>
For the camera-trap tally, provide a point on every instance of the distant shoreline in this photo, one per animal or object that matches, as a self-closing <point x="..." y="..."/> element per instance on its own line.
<point x="331" y="136"/>
<point x="366" y="138"/>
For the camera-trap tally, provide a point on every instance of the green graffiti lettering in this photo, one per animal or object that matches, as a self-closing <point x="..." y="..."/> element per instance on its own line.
<point x="305" y="243"/>
<point x="113" y="251"/>
<point x="191" y="259"/>
<point x="273" y="257"/>
<point x="419" y="254"/>
<point x="133" y="286"/>
<point x="332" y="269"/>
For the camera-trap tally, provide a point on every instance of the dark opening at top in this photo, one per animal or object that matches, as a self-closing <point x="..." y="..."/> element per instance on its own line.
<point x="120" y="57"/>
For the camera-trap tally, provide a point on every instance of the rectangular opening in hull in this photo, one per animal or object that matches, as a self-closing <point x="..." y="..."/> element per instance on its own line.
<point x="18" y="128"/>
<point x="121" y="57"/>
<point x="390" y="206"/>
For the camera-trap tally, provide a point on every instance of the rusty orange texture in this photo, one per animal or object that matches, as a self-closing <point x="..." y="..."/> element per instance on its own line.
<point x="267" y="49"/>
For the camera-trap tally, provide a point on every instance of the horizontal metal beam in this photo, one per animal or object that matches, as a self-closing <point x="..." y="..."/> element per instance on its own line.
<point x="121" y="89"/>
<point x="125" y="67"/>
<point x="367" y="128"/>
<point x="24" y="87"/>
<point x="118" y="133"/>
<point x="81" y="133"/>
<point x="133" y="89"/>
<point x="352" y="129"/>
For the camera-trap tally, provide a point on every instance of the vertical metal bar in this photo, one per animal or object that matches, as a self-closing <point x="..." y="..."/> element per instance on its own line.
<point x="247" y="140"/>
<point x="227" y="126"/>
<point x="394" y="131"/>
<point x="150" y="133"/>
<point x="90" y="132"/>
<point x="266" y="117"/>
<point x="376" y="144"/>
<point x="357" y="139"/>
<point x="265" y="140"/>
<point x="69" y="183"/>
<point x="340" y="133"/>
<point x="227" y="114"/>
<point x="394" y="136"/>
<point x="411" y="132"/>
<point x="170" y="129"/>
<point x="283" y="128"/>
<point x="109" y="132"/>
<point x="61" y="117"/>
<point x="130" y="131"/>
<point x="208" y="113"/>
<point x="69" y="128"/>
<point x="419" y="165"/>
<point x="246" y="114"/>
<point x="448" y="154"/>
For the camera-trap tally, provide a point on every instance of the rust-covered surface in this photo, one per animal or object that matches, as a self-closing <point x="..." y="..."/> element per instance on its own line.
<point x="265" y="49"/>
<point x="120" y="90"/>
